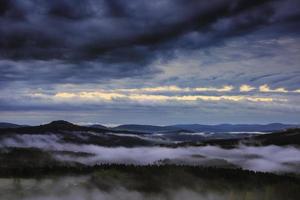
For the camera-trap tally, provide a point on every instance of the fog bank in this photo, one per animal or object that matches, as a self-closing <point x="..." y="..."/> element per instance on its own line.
<point x="266" y="158"/>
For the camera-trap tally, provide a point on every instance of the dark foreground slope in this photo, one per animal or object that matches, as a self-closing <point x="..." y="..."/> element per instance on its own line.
<point x="288" y="137"/>
<point x="146" y="182"/>
<point x="283" y="138"/>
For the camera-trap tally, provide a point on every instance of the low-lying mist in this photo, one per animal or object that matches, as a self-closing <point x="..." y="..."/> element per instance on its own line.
<point x="264" y="158"/>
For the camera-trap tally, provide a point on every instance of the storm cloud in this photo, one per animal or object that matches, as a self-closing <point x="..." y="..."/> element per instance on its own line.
<point x="117" y="36"/>
<point x="74" y="46"/>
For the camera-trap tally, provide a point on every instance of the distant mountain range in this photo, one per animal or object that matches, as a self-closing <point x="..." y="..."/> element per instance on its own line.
<point x="187" y="128"/>
<point x="145" y="135"/>
<point x="237" y="127"/>
<point x="150" y="128"/>
<point x="10" y="125"/>
<point x="221" y="128"/>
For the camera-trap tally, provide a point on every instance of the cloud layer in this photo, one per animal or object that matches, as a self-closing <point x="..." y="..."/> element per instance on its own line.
<point x="75" y="39"/>
<point x="69" y="47"/>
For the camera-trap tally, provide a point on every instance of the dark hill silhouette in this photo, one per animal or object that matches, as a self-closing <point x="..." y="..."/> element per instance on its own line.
<point x="282" y="138"/>
<point x="10" y="125"/>
<point x="78" y="134"/>
<point x="290" y="136"/>
<point x="55" y="126"/>
<point x="61" y="125"/>
<point x="146" y="128"/>
<point x="98" y="126"/>
<point x="151" y="128"/>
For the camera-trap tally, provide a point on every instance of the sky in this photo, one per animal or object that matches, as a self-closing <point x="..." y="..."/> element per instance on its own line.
<point x="150" y="62"/>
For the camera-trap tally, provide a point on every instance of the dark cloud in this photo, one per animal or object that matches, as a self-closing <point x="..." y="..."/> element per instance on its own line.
<point x="76" y="9"/>
<point x="57" y="71"/>
<point x="90" y="29"/>
<point x="93" y="40"/>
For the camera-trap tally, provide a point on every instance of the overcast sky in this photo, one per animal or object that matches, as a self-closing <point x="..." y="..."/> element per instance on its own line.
<point x="150" y="62"/>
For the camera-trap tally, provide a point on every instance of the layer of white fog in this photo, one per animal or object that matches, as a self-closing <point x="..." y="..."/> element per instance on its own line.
<point x="265" y="158"/>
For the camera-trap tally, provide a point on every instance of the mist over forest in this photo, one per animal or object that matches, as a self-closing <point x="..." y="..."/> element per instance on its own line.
<point x="270" y="158"/>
